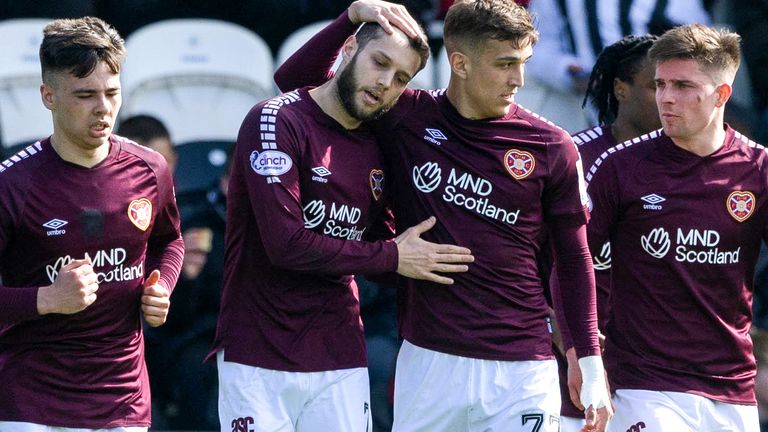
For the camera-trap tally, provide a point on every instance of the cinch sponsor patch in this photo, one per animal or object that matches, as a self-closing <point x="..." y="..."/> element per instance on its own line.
<point x="270" y="162"/>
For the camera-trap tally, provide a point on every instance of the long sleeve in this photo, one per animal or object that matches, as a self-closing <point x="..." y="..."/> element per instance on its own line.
<point x="165" y="250"/>
<point x="279" y="211"/>
<point x="578" y="299"/>
<point x="312" y="64"/>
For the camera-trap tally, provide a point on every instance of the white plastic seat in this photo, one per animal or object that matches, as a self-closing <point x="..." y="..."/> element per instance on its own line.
<point x="424" y="79"/>
<point x="200" y="77"/>
<point x="23" y="117"/>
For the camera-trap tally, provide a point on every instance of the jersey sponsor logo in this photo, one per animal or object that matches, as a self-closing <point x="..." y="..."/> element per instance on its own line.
<point x="376" y="181"/>
<point x="740" y="205"/>
<point x="656" y="243"/>
<point x="434" y="136"/>
<point x="519" y="164"/>
<point x="653" y="201"/>
<point x="463" y="190"/>
<point x="54" y="226"/>
<point x="314" y="213"/>
<point x="108" y="264"/>
<point x="140" y="213"/>
<point x="602" y="261"/>
<point x="694" y="246"/>
<point x="270" y="162"/>
<point x="337" y="220"/>
<point x="427" y="177"/>
<point x="320" y="173"/>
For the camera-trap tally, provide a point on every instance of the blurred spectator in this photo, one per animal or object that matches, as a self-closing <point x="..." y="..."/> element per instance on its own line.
<point x="750" y="19"/>
<point x="573" y="32"/>
<point x="150" y="132"/>
<point x="183" y="388"/>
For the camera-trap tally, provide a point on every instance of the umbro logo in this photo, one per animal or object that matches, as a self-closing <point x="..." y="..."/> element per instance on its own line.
<point x="653" y="201"/>
<point x="435" y="136"/>
<point x="54" y="226"/>
<point x="320" y="173"/>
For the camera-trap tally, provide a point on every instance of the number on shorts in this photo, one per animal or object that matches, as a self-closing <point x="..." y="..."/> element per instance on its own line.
<point x="537" y="420"/>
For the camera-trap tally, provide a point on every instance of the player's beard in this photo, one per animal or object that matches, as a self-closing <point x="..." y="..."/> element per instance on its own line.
<point x="347" y="86"/>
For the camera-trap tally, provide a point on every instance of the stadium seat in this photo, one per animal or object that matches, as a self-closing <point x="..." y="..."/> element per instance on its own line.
<point x="200" y="77"/>
<point x="200" y="164"/>
<point x="554" y="105"/>
<point x="23" y="117"/>
<point x="424" y="79"/>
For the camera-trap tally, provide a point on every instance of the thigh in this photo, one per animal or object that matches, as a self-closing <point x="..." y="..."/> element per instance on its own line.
<point x="650" y="411"/>
<point x="571" y="424"/>
<point x="734" y="418"/>
<point x="11" y="426"/>
<point x="253" y="399"/>
<point x="339" y="402"/>
<point x="515" y="396"/>
<point x="430" y="391"/>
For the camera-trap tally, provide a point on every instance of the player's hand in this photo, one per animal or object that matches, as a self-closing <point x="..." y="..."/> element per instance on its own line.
<point x="420" y="259"/>
<point x="574" y="378"/>
<point x="594" y="394"/>
<point x="155" y="300"/>
<point x="73" y="290"/>
<point x="386" y="14"/>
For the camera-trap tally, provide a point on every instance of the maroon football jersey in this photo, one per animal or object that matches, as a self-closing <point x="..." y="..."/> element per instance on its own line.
<point x="87" y="369"/>
<point x="495" y="186"/>
<point x="303" y="198"/>
<point x="685" y="232"/>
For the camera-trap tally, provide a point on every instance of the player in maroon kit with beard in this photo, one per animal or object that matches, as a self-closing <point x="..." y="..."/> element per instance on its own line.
<point x="477" y="354"/>
<point x="84" y="216"/>
<point x="622" y="90"/>
<point x="306" y="210"/>
<point x="685" y="212"/>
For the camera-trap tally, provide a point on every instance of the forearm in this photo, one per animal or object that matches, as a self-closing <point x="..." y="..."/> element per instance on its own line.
<point x="578" y="298"/>
<point x="312" y="64"/>
<point x="18" y="304"/>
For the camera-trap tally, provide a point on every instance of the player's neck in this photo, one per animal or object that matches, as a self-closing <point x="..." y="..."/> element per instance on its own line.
<point x="705" y="142"/>
<point x="327" y="98"/>
<point x="79" y="155"/>
<point x="623" y="129"/>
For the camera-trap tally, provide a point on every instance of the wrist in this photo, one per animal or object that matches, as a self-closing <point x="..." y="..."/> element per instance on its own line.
<point x="43" y="305"/>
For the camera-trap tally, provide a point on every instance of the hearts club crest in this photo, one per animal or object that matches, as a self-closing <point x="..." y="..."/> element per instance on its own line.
<point x="740" y="205"/>
<point x="140" y="213"/>
<point x="520" y="164"/>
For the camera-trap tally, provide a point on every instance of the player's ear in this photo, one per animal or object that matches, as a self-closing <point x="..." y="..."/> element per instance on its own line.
<point x="47" y="96"/>
<point x="724" y="92"/>
<point x="459" y="64"/>
<point x="349" y="48"/>
<point x="620" y="89"/>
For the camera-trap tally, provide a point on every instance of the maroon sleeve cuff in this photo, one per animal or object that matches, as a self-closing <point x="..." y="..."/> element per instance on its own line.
<point x="18" y="304"/>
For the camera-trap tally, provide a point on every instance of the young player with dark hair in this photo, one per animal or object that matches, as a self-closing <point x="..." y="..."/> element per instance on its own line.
<point x="85" y="217"/>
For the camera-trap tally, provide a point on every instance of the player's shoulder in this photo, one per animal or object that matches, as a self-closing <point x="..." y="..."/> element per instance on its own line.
<point x="24" y="163"/>
<point x="548" y="131"/>
<point x="590" y="135"/>
<point x="627" y="155"/>
<point x="135" y="150"/>
<point x="750" y="148"/>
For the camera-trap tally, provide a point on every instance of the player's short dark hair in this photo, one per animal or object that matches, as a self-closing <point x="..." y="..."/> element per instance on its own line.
<point x="76" y="46"/>
<point x="469" y="23"/>
<point x="716" y="50"/>
<point x="621" y="60"/>
<point x="370" y="31"/>
<point x="142" y="128"/>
